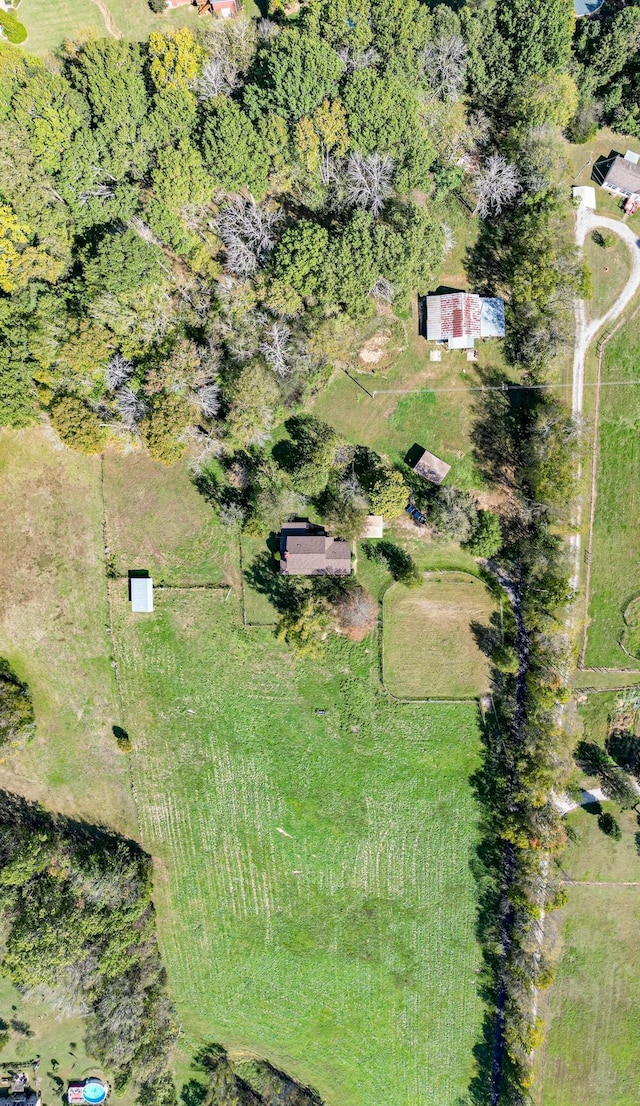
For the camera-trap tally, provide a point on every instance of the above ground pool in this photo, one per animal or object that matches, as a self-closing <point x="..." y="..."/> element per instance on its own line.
<point x="587" y="7"/>
<point x="94" y="1091"/>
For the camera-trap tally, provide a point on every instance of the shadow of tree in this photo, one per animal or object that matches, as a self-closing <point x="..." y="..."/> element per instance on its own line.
<point x="264" y="577"/>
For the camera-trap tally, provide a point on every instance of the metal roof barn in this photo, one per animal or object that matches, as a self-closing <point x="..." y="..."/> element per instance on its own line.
<point x="141" y="594"/>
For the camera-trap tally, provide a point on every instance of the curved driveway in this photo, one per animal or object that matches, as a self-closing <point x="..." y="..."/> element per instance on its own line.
<point x="586" y="221"/>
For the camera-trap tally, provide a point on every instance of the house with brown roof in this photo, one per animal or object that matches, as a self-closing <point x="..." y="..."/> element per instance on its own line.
<point x="307" y="550"/>
<point x="621" y="176"/>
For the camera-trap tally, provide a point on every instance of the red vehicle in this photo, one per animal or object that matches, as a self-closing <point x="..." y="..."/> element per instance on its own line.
<point x="631" y="205"/>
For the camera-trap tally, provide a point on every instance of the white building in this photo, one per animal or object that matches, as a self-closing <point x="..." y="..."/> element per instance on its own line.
<point x="141" y="594"/>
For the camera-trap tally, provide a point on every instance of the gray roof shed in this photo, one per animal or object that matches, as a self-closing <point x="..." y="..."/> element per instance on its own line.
<point x="141" y="594"/>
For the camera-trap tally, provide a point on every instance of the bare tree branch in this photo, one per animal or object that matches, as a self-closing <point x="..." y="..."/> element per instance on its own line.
<point x="369" y="180"/>
<point x="247" y="230"/>
<point x="275" y="348"/>
<point x="383" y="289"/>
<point x="117" y="372"/>
<point x="444" y="61"/>
<point x="497" y="184"/>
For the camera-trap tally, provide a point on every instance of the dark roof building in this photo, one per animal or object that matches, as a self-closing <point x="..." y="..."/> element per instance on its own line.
<point x="307" y="550"/>
<point x="431" y="467"/>
<point x="458" y="318"/>
<point x="622" y="175"/>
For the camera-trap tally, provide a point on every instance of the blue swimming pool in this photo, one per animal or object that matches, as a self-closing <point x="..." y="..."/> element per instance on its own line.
<point x="587" y="7"/>
<point x="94" y="1092"/>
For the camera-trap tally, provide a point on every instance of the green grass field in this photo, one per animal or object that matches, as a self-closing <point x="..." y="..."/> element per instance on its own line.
<point x="158" y="520"/>
<point x="592" y="1009"/>
<point x="315" y="898"/>
<point x="610" y="270"/>
<point x="54" y="629"/>
<point x="591" y="1052"/>
<point x="430" y="650"/>
<point x="615" y="579"/>
<point x="49" y="25"/>
<point x="392" y="422"/>
<point x="313" y="884"/>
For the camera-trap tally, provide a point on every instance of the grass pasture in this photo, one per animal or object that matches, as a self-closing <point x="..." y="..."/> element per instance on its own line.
<point x="315" y="899"/>
<point x="54" y="629"/>
<point x="48" y="26"/>
<point x="430" y="648"/>
<point x="408" y="408"/>
<point x="590" y="1052"/>
<point x="156" y="519"/>
<point x="610" y="270"/>
<point x="615" y="579"/>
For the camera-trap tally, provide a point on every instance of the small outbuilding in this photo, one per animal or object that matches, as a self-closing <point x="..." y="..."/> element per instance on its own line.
<point x="141" y="594"/>
<point x="586" y="194"/>
<point x="431" y="467"/>
<point x="373" y="527"/>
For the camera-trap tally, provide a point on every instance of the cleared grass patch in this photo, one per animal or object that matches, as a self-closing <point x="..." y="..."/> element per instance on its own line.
<point x="615" y="579"/>
<point x="157" y="519"/>
<point x="54" y="629"/>
<point x="591" y="1052"/>
<point x="315" y="900"/>
<point x="48" y="26"/>
<point x="610" y="270"/>
<point x="430" y="646"/>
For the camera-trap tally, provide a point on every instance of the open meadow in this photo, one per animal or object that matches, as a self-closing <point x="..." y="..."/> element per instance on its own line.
<point x="590" y="1052"/>
<point x="315" y="899"/>
<point x="54" y="629"/>
<point x="430" y="638"/>
<point x="48" y="26"/>
<point x="615" y="579"/>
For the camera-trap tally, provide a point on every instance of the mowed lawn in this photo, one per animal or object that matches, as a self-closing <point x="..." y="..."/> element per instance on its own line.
<point x="315" y="898"/>
<point x="610" y="270"/>
<point x="615" y="578"/>
<point x="54" y="629"/>
<point x="48" y="25"/>
<point x="430" y="638"/>
<point x="591" y="1053"/>
<point x="409" y="408"/>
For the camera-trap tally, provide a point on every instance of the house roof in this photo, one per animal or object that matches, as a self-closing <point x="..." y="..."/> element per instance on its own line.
<point x="431" y="467"/>
<point x="141" y="594"/>
<point x="623" y="174"/>
<point x="454" y="315"/>
<point x="458" y="318"/>
<point x="313" y="554"/>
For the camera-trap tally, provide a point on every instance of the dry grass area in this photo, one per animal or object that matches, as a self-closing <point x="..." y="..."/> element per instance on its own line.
<point x="591" y="1050"/>
<point x="156" y="519"/>
<point x="54" y="629"/>
<point x="430" y="635"/>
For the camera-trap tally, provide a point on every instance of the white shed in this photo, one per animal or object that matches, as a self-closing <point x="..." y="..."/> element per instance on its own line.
<point x="373" y="527"/>
<point x="141" y="594"/>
